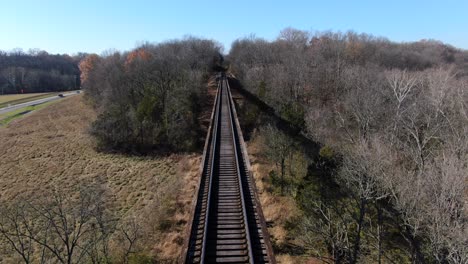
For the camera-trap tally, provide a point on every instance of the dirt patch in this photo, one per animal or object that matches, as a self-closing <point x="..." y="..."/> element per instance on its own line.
<point x="51" y="149"/>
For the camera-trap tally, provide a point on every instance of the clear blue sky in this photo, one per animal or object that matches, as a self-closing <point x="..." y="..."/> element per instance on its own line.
<point x="65" y="26"/>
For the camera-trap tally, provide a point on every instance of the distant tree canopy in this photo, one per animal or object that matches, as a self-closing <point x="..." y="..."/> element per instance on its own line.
<point x="37" y="71"/>
<point x="149" y="97"/>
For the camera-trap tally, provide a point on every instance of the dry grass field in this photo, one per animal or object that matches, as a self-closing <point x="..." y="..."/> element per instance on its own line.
<point x="50" y="149"/>
<point x="7" y="117"/>
<point x="13" y="99"/>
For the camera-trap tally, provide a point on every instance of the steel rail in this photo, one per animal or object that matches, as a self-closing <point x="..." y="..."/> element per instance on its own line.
<point x="252" y="187"/>
<point x="227" y="225"/>
<point x="186" y="256"/>
<point x="210" y="180"/>
<point x="234" y="141"/>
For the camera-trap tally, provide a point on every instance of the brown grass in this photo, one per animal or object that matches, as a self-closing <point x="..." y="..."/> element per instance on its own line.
<point x="51" y="149"/>
<point x="13" y="97"/>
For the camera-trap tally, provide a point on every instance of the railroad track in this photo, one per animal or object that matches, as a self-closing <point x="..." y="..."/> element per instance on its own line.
<point x="228" y="224"/>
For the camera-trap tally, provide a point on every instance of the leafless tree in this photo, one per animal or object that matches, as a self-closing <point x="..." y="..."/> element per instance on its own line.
<point x="445" y="181"/>
<point x="66" y="229"/>
<point x="298" y="37"/>
<point x="325" y="224"/>
<point x="129" y="234"/>
<point x="395" y="113"/>
<point x="401" y="83"/>
<point x="14" y="223"/>
<point x="279" y="148"/>
<point x="361" y="174"/>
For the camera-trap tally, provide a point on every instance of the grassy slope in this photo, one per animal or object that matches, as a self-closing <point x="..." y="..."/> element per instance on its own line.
<point x="50" y="148"/>
<point x="6" y="118"/>
<point x="14" y="99"/>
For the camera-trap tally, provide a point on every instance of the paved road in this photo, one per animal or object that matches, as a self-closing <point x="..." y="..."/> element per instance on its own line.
<point x="35" y="102"/>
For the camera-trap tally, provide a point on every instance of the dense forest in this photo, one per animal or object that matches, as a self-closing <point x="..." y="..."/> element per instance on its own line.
<point x="150" y="98"/>
<point x="392" y="123"/>
<point x="37" y="71"/>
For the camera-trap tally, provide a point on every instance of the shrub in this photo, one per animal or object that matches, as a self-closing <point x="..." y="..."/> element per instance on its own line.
<point x="294" y="113"/>
<point x="326" y="153"/>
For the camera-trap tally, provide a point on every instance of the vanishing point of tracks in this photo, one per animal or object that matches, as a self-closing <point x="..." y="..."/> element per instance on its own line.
<point x="228" y="224"/>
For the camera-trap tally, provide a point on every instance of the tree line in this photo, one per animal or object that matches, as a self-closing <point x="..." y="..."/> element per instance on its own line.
<point x="37" y="71"/>
<point x="150" y="98"/>
<point x="392" y="120"/>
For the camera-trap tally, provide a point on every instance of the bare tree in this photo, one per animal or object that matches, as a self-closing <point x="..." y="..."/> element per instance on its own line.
<point x="359" y="172"/>
<point x="397" y="116"/>
<point x="129" y="234"/>
<point x="66" y="229"/>
<point x="445" y="181"/>
<point x="298" y="38"/>
<point x="325" y="223"/>
<point x="401" y="83"/>
<point x="279" y="147"/>
<point x="14" y="223"/>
